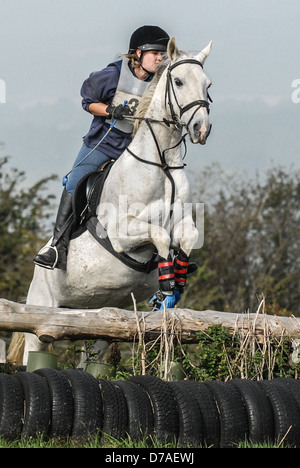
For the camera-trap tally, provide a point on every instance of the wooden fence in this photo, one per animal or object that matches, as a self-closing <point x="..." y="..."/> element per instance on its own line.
<point x="113" y="324"/>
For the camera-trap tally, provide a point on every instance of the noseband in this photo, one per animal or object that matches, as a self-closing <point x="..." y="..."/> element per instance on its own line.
<point x="170" y="89"/>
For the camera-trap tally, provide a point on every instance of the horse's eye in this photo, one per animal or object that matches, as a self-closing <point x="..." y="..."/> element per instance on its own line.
<point x="178" y="82"/>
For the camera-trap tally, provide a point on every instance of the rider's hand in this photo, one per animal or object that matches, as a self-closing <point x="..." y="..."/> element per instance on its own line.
<point x="118" y="112"/>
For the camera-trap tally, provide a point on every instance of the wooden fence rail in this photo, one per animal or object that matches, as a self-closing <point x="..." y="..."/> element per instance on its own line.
<point x="113" y="324"/>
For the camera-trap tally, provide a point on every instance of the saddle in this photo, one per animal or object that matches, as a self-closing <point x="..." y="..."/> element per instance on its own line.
<point x="87" y="197"/>
<point x="86" y="200"/>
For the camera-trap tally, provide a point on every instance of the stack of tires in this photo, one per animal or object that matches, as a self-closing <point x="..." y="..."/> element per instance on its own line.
<point x="73" y="403"/>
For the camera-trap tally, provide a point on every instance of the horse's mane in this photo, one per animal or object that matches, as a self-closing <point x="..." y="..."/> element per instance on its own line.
<point x="147" y="98"/>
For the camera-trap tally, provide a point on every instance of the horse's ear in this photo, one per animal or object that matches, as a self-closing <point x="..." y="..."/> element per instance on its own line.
<point x="173" y="52"/>
<point x="202" y="56"/>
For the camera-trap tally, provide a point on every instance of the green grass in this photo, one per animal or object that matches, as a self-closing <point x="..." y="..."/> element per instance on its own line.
<point x="107" y="442"/>
<point x="94" y="442"/>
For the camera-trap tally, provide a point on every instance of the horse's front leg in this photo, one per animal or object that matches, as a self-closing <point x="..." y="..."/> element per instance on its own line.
<point x="132" y="233"/>
<point x="185" y="236"/>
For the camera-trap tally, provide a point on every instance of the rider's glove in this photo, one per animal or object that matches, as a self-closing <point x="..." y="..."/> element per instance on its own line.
<point x="118" y="112"/>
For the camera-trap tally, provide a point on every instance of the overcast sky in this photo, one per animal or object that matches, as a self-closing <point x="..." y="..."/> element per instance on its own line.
<point x="49" y="47"/>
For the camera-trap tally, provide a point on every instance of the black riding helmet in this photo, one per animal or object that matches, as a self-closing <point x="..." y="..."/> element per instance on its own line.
<point x="149" y="38"/>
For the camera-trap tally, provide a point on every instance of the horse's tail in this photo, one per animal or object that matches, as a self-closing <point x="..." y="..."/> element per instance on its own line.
<point x="16" y="349"/>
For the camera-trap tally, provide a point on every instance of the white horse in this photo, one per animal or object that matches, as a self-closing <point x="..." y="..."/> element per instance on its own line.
<point x="145" y="185"/>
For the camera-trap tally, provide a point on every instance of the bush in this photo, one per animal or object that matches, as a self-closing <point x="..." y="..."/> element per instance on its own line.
<point x="23" y="213"/>
<point x="221" y="355"/>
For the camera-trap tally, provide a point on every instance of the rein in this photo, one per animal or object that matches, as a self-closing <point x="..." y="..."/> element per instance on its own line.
<point x="163" y="165"/>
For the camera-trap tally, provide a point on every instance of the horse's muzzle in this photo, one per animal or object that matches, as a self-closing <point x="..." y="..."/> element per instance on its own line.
<point x="200" y="132"/>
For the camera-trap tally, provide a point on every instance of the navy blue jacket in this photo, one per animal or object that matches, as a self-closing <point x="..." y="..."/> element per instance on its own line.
<point x="101" y="87"/>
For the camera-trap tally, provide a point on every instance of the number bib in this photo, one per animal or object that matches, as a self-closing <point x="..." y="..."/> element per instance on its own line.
<point x="130" y="89"/>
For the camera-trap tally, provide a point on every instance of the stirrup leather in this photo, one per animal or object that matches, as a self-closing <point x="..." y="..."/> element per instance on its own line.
<point x="41" y="253"/>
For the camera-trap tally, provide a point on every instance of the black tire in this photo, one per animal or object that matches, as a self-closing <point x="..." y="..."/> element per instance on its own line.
<point x="285" y="411"/>
<point x="140" y="415"/>
<point x="233" y="416"/>
<point x="209" y="411"/>
<point x="292" y="385"/>
<point x="115" y="415"/>
<point x="11" y="407"/>
<point x="87" y="417"/>
<point x="191" y="425"/>
<point x="259" y="411"/>
<point x="166" y="420"/>
<point x="61" y="402"/>
<point x="37" y="405"/>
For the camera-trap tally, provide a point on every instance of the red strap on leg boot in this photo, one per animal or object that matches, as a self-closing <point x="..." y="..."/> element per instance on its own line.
<point x="181" y="264"/>
<point x="166" y="275"/>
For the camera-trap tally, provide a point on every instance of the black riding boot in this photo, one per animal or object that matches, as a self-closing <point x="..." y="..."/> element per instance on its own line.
<point x="54" y="255"/>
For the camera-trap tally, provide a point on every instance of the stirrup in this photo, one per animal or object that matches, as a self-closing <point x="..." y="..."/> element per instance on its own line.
<point x="56" y="257"/>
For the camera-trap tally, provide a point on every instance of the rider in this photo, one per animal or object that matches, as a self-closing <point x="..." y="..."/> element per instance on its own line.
<point x="104" y="93"/>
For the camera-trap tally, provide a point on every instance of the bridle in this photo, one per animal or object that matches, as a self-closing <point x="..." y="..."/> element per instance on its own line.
<point x="170" y="89"/>
<point x="176" y="120"/>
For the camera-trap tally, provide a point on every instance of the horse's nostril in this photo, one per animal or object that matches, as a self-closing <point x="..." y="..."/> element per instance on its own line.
<point x="196" y="129"/>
